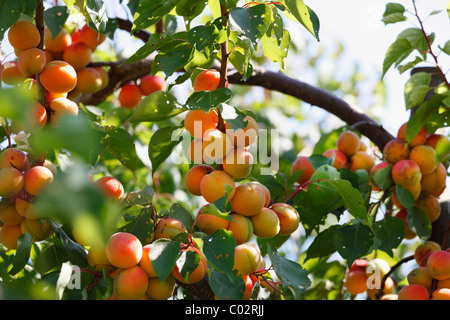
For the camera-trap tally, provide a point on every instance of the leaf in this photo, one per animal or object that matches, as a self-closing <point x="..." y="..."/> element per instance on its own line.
<point x="383" y="178"/>
<point x="396" y="53"/>
<point x="173" y="57"/>
<point x="389" y="234"/>
<point x="446" y="47"/>
<point x="155" y="41"/>
<point x="353" y="241"/>
<point x="305" y="16"/>
<point x="149" y="12"/>
<point x="177" y="211"/>
<point x="418" y="222"/>
<point x="10" y="11"/>
<point x="252" y="21"/>
<point x="22" y="256"/>
<point x="161" y="145"/>
<point x="322" y="245"/>
<point x="351" y="198"/>
<point x="187" y="262"/>
<point x="203" y="37"/>
<point x="163" y="256"/>
<point x="226" y="287"/>
<point x="158" y="106"/>
<point x="138" y="221"/>
<point x="416" y="89"/>
<point x="218" y="248"/>
<point x="206" y="100"/>
<point x="275" y="50"/>
<point x="121" y="145"/>
<point x="422" y="114"/>
<point x="405" y="196"/>
<point x="96" y="13"/>
<point x="393" y="13"/>
<point x="55" y="18"/>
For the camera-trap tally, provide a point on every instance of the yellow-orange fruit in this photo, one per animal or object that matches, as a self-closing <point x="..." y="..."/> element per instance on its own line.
<point x="27" y="209"/>
<point x="62" y="107"/>
<point x="340" y="159"/>
<point x="247" y="258"/>
<point x="39" y="229"/>
<point x="58" y="76"/>
<point x="38" y="115"/>
<point x="361" y="160"/>
<point x="124" y="250"/>
<point x="111" y="187"/>
<point x="36" y="179"/>
<point x="57" y="44"/>
<point x="348" y="142"/>
<point x="441" y="294"/>
<point x="145" y="262"/>
<point x="196" y="275"/>
<point x="13" y="157"/>
<point x="245" y="137"/>
<point x="406" y="173"/>
<point x="129" y="96"/>
<point x="395" y="150"/>
<point x="32" y="61"/>
<point x="89" y="80"/>
<point x="439" y="143"/>
<point x="197" y="122"/>
<point x="434" y="181"/>
<point x="195" y="152"/>
<point x="130" y="283"/>
<point x="212" y="186"/>
<point x="11" y="73"/>
<point x="443" y="283"/>
<point x="248" y="199"/>
<point x="413" y="292"/>
<point x="11" y="181"/>
<point x="52" y="96"/>
<point x="194" y="176"/>
<point x="91" y="37"/>
<point x="420" y="275"/>
<point x="209" y="223"/>
<point x="238" y="163"/>
<point x="78" y="55"/>
<point x="160" y="290"/>
<point x="289" y="217"/>
<point x="266" y="192"/>
<point x="419" y="139"/>
<point x="207" y="80"/>
<point x="356" y="282"/>
<point x="149" y="84"/>
<point x="438" y="264"/>
<point x="266" y="223"/>
<point x="303" y="163"/>
<point x="424" y="249"/>
<point x="216" y="144"/>
<point x="23" y="35"/>
<point x="9" y="214"/>
<point x="103" y="75"/>
<point x="97" y="258"/>
<point x="388" y="288"/>
<point x="241" y="227"/>
<point x="168" y="228"/>
<point x="425" y="157"/>
<point x="430" y="205"/>
<point x="9" y="235"/>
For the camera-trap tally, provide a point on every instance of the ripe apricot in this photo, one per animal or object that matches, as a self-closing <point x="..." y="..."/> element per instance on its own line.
<point x="265" y="223"/>
<point x="52" y="96"/>
<point x="441" y="294"/>
<point x="89" y="80"/>
<point x="245" y="137"/>
<point x="9" y="214"/>
<point x="238" y="163"/>
<point x="129" y="96"/>
<point x="168" y="228"/>
<point x="406" y="173"/>
<point x="11" y="73"/>
<point x="209" y="223"/>
<point x="38" y="115"/>
<point x="377" y="267"/>
<point x="359" y="264"/>
<point x="197" y="122"/>
<point x="266" y="192"/>
<point x="13" y="157"/>
<point x="9" y="235"/>
<point x="303" y="163"/>
<point x="160" y="289"/>
<point x="61" y="107"/>
<point x="439" y="143"/>
<point x="58" y="76"/>
<point x="198" y="273"/>
<point x="212" y="186"/>
<point x="111" y="187"/>
<point x="361" y="160"/>
<point x="97" y="258"/>
<point x="23" y="35"/>
<point x="130" y="283"/>
<point x="248" y="199"/>
<point x="419" y="139"/>
<point x="376" y="168"/>
<point x="388" y="288"/>
<point x="57" y="44"/>
<point x="425" y="157"/>
<point x="395" y="150"/>
<point x="436" y="180"/>
<point x="216" y="144"/>
<point x="78" y="55"/>
<point x="430" y="205"/>
<point x="11" y="181"/>
<point x="423" y="249"/>
<point x="207" y="80"/>
<point x="340" y="159"/>
<point x="241" y="227"/>
<point x="247" y="258"/>
<point x="289" y="217"/>
<point x="420" y="275"/>
<point x="32" y="61"/>
<point x="124" y="250"/>
<point x="195" y="152"/>
<point x="194" y="176"/>
<point x="438" y="264"/>
<point x="356" y="282"/>
<point x="443" y="283"/>
<point x="348" y="142"/>
<point x="149" y="84"/>
<point x="36" y="179"/>
<point x="413" y="292"/>
<point x="27" y="209"/>
<point x="40" y="229"/>
<point x="91" y="37"/>
<point x="145" y="262"/>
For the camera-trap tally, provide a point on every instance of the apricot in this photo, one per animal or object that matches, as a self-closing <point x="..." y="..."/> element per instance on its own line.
<point x="32" y="61"/>
<point x="395" y="150"/>
<point x="245" y="137"/>
<point x="440" y="144"/>
<point x="238" y="163"/>
<point x="97" y="258"/>
<point x="209" y="223"/>
<point x="168" y="228"/>
<point x="408" y="233"/>
<point x="425" y="156"/>
<point x="61" y="107"/>
<point x="376" y="168"/>
<point x="303" y="163"/>
<point x="130" y="283"/>
<point x="57" y="44"/>
<point x="38" y="115"/>
<point x="359" y="264"/>
<point x="13" y="157"/>
<point x="36" y="179"/>
<point x="419" y="138"/>
<point x="149" y="84"/>
<point x="212" y="186"/>
<point x="195" y="152"/>
<point x="216" y="144"/>
<point x="9" y="214"/>
<point x="348" y="142"/>
<point x="145" y="262"/>
<point x="91" y="37"/>
<point x="160" y="290"/>
<point x="438" y="264"/>
<point x="361" y="160"/>
<point x="207" y="80"/>
<point x="110" y="187"/>
<point x="423" y="249"/>
<point x="430" y="205"/>
<point x="194" y="176"/>
<point x="241" y="227"/>
<point x="436" y="180"/>
<point x="27" y="209"/>
<point x="198" y="273"/>
<point x="420" y="275"/>
<point x="124" y="250"/>
<point x="23" y="35"/>
<point x="197" y="122"/>
<point x="289" y="217"/>
<point x="389" y="296"/>
<point x="247" y="258"/>
<point x="11" y="73"/>
<point x="89" y="80"/>
<point x="340" y="159"/>
<point x="40" y="229"/>
<point x="248" y="199"/>
<point x="388" y="288"/>
<point x="443" y="283"/>
<point x="11" y="181"/>
<point x="9" y="236"/>
<point x="52" y="96"/>
<point x="129" y="96"/>
<point x="78" y="55"/>
<point x="406" y="173"/>
<point x="377" y="267"/>
<point x="103" y="75"/>
<point x="266" y="190"/>
<point x="441" y="294"/>
<point x="265" y="223"/>
<point x="413" y="292"/>
<point x="58" y="77"/>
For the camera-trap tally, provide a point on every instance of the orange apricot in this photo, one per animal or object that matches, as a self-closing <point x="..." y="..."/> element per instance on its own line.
<point x="413" y="292"/>
<point x="436" y="180"/>
<point x="406" y="173"/>
<point x="32" y="61"/>
<point x="361" y="160"/>
<point x="145" y="262"/>
<point x="388" y="289"/>
<point x="245" y="137"/>
<point x="9" y="236"/>
<point x="289" y="217"/>
<point x="195" y="153"/>
<point x="212" y="186"/>
<point x="111" y="187"/>
<point x="91" y="37"/>
<point x="216" y="144"/>
<point x="207" y="80"/>
<point x="425" y="156"/>
<point x="266" y="190"/>
<point x="340" y="159"/>
<point x="241" y="228"/>
<point x="441" y="294"/>
<point x="430" y="205"/>
<point x="40" y="229"/>
<point x="248" y="199"/>
<point x="247" y="258"/>
<point x="129" y="96"/>
<point x="9" y="214"/>
<point x="439" y="143"/>
<point x="395" y="150"/>
<point x="266" y="223"/>
<point x="58" y="77"/>
<point x="103" y="75"/>
<point x="61" y="107"/>
<point x="438" y="264"/>
<point x="420" y="275"/>
<point x="11" y="181"/>
<point x="424" y="249"/>
<point x="238" y="163"/>
<point x="149" y="84"/>
<point x="57" y="44"/>
<point x="27" y="209"/>
<point x="197" y="122"/>
<point x="13" y="157"/>
<point x="36" y="179"/>
<point x="194" y="176"/>
<point x="38" y="115"/>
<point x="348" y="142"/>
<point x="130" y="283"/>
<point x="23" y="35"/>
<point x="124" y="250"/>
<point x="11" y="73"/>
<point x="160" y="289"/>
<point x="198" y="273"/>
<point x="78" y="55"/>
<point x="52" y="96"/>
<point x="168" y="228"/>
<point x="89" y="80"/>
<point x="303" y="163"/>
<point x="356" y="282"/>
<point x="209" y="223"/>
<point x="419" y="139"/>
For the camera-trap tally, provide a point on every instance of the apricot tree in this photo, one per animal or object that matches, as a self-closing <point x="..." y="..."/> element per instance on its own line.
<point x="148" y="175"/>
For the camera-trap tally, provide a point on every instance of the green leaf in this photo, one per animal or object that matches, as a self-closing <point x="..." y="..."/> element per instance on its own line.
<point x="138" y="221"/>
<point x="142" y="197"/>
<point x="158" y="106"/>
<point x="206" y="100"/>
<point x="240" y="54"/>
<point x="423" y="113"/>
<point x="203" y="37"/>
<point x="10" y="11"/>
<point x="322" y="245"/>
<point x="155" y="41"/>
<point x="173" y="57"/>
<point x="161" y="145"/>
<point x="252" y="21"/>
<point x="446" y="47"/>
<point x="96" y="13"/>
<point x="351" y="198"/>
<point x="218" y="248"/>
<point x="305" y="16"/>
<point x="389" y="234"/>
<point x="353" y="241"/>
<point x="275" y="50"/>
<point x="163" y="256"/>
<point x="55" y="18"/>
<point x="393" y="13"/>
<point x="405" y="196"/>
<point x="187" y="262"/>
<point x="22" y="256"/>
<point x="177" y="211"/>
<point x="226" y="287"/>
<point x="418" y="222"/>
<point x="149" y="12"/>
<point x="383" y="178"/>
<point x="396" y="53"/>
<point x="121" y="144"/>
<point x="416" y="89"/>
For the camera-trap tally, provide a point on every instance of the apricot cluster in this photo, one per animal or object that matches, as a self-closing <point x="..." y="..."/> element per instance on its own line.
<point x="21" y="181"/>
<point x="131" y="93"/>
<point x="430" y="279"/>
